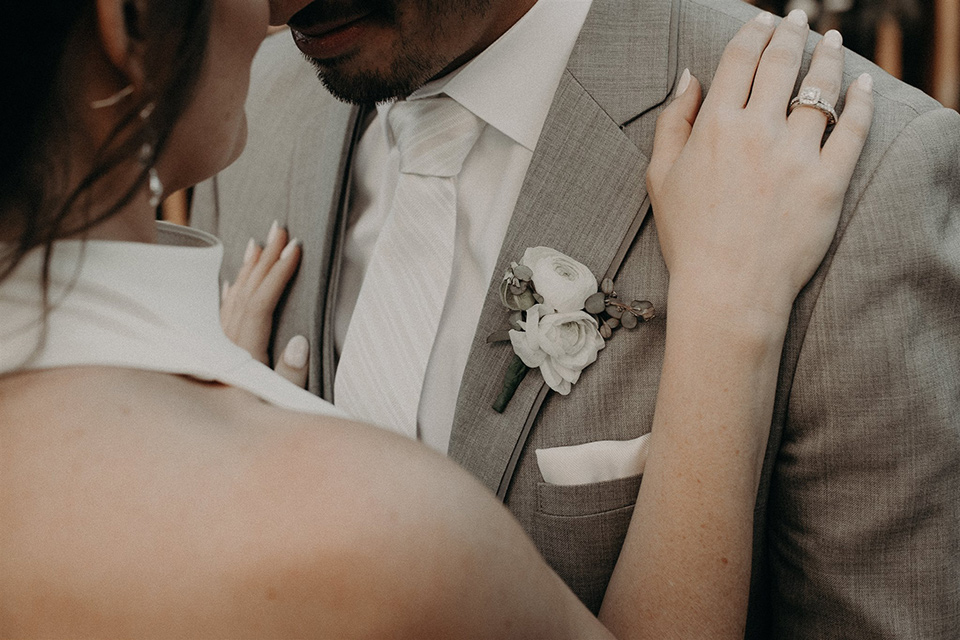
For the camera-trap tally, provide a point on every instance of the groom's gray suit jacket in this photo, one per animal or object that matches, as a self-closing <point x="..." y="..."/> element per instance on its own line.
<point x="857" y="523"/>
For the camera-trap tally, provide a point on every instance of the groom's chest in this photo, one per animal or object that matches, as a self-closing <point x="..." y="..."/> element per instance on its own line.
<point x="486" y="192"/>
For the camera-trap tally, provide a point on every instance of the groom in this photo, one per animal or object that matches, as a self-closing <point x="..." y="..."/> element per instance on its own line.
<point x="857" y="524"/>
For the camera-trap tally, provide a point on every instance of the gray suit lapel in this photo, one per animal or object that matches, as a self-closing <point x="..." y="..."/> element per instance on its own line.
<point x="582" y="195"/>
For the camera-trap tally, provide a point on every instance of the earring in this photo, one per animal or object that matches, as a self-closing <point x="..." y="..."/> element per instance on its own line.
<point x="147" y="152"/>
<point x="155" y="187"/>
<point x="114" y="99"/>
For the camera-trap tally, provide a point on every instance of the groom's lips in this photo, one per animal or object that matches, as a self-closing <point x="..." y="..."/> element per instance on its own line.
<point x="328" y="40"/>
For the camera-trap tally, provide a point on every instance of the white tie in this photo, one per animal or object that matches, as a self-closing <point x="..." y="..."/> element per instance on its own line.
<point x="394" y="324"/>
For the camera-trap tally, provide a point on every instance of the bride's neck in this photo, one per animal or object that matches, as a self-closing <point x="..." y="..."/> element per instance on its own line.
<point x="135" y="222"/>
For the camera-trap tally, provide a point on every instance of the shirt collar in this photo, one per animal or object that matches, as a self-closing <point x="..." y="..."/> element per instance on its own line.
<point x="510" y="85"/>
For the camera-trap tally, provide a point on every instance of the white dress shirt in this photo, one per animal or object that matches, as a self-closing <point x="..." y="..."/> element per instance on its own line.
<point x="510" y="86"/>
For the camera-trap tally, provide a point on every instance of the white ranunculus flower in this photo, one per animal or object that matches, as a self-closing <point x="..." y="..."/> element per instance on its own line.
<point x="563" y="282"/>
<point x="560" y="344"/>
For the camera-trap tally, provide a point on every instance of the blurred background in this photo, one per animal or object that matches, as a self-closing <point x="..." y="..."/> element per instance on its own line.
<point x="917" y="41"/>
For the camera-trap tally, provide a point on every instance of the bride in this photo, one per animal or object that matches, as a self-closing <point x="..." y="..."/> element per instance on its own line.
<point x="156" y="480"/>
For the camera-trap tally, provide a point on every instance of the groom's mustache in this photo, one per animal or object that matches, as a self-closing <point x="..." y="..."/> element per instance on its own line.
<point x="326" y="11"/>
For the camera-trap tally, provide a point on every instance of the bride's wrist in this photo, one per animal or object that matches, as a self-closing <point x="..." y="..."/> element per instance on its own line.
<point x="743" y="314"/>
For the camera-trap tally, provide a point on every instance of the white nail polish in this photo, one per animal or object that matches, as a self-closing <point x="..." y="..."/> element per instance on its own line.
<point x="251" y="249"/>
<point x="798" y="17"/>
<point x="833" y="38"/>
<point x="684" y="82"/>
<point x="866" y="82"/>
<point x="288" y="250"/>
<point x="296" y="352"/>
<point x="274" y="230"/>
<point x="766" y="18"/>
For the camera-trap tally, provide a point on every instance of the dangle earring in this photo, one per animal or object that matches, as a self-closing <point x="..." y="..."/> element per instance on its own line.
<point x="114" y="99"/>
<point x="147" y="157"/>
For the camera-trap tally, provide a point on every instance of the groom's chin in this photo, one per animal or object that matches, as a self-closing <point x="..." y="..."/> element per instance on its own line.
<point x="365" y="87"/>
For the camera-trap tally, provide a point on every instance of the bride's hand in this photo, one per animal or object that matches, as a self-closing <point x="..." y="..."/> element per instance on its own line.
<point x="745" y="200"/>
<point x="247" y="306"/>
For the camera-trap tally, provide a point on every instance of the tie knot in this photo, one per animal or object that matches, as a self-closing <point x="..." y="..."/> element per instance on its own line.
<point x="434" y="135"/>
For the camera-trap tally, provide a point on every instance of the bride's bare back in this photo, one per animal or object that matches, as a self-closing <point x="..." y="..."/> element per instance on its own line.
<point x="171" y="507"/>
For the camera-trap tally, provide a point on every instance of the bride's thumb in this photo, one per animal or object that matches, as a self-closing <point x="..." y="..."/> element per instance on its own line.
<point x="675" y="124"/>
<point x="292" y="364"/>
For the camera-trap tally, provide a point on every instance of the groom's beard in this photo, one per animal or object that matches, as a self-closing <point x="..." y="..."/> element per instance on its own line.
<point x="415" y="55"/>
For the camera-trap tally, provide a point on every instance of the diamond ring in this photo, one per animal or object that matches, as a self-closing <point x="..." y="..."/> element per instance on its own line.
<point x="810" y="97"/>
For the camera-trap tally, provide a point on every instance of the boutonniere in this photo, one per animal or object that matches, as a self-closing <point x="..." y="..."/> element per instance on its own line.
<point x="560" y="319"/>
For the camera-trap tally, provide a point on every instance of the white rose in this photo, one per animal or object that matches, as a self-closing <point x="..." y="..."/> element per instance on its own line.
<point x="560" y="344"/>
<point x="563" y="282"/>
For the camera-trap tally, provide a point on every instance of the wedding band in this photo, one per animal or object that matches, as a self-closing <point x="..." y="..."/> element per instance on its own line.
<point x="810" y="97"/>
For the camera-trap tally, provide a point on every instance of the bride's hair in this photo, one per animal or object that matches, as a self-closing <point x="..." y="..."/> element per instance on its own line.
<point x="36" y="203"/>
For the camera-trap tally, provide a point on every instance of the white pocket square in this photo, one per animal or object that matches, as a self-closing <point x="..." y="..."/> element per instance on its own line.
<point x="593" y="461"/>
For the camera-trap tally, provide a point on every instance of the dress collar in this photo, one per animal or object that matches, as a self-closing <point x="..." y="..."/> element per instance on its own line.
<point x="152" y="307"/>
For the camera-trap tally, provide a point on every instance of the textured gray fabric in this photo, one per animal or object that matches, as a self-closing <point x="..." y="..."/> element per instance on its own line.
<point x="857" y="525"/>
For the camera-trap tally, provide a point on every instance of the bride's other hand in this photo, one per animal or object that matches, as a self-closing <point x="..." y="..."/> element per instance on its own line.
<point x="745" y="200"/>
<point x="247" y="305"/>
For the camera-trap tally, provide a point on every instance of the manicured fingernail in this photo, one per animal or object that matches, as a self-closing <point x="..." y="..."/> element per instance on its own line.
<point x="684" y="82"/>
<point x="766" y="18"/>
<point x="288" y="250"/>
<point x="833" y="38"/>
<point x="797" y="16"/>
<point x="296" y="352"/>
<point x="251" y="249"/>
<point x="274" y="230"/>
<point x="866" y="82"/>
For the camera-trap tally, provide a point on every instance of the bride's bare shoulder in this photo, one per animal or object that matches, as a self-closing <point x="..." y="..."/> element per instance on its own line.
<point x="163" y="503"/>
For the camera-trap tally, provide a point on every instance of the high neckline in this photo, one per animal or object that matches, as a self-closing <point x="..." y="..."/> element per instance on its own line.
<point x="133" y="305"/>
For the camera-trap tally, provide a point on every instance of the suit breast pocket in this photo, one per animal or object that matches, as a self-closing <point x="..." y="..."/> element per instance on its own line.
<point x="579" y="529"/>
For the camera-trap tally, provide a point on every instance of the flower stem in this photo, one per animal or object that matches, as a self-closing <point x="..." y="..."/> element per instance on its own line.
<point x="511" y="380"/>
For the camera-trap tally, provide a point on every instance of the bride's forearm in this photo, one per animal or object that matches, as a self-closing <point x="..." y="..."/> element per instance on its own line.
<point x="685" y="566"/>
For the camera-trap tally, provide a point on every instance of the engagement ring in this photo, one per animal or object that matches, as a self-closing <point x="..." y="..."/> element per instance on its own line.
<point x="810" y="97"/>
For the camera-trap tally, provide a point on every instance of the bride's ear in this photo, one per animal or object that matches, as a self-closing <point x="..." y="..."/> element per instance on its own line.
<point x="119" y="25"/>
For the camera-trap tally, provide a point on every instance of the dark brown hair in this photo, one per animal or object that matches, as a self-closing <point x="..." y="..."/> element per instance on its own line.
<point x="35" y="202"/>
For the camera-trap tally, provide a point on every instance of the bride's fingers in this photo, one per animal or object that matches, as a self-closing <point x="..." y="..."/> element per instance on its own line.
<point x="247" y="307"/>
<point x="275" y="281"/>
<point x="250" y="257"/>
<point x="734" y="77"/>
<point x="276" y="241"/>
<point x="825" y="75"/>
<point x="778" y="67"/>
<point x="843" y="147"/>
<point x="292" y="364"/>
<point x="673" y="128"/>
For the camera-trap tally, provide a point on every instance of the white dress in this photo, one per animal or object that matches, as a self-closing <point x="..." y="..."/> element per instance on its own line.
<point x="153" y="307"/>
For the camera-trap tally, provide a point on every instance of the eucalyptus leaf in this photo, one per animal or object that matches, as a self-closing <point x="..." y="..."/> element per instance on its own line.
<point x="645" y="309"/>
<point x="516" y="302"/>
<point x="629" y="321"/>
<point x="523" y="272"/>
<point x="614" y="311"/>
<point x="606" y="286"/>
<point x="596" y="303"/>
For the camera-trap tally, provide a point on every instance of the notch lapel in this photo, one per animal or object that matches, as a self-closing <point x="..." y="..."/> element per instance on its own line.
<point x="582" y="195"/>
